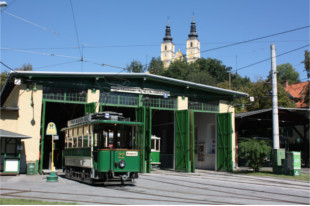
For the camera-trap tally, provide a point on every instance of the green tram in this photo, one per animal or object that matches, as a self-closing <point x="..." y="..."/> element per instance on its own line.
<point x="102" y="148"/>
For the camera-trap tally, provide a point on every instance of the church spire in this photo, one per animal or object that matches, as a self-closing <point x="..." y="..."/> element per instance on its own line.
<point x="193" y="33"/>
<point x="168" y="37"/>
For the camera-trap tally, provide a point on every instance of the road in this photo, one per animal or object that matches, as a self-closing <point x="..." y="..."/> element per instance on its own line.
<point x="163" y="187"/>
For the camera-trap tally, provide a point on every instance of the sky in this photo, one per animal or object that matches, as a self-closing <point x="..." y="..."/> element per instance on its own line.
<point x="51" y="37"/>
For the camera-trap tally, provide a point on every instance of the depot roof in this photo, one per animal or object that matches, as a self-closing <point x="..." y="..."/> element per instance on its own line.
<point x="144" y="76"/>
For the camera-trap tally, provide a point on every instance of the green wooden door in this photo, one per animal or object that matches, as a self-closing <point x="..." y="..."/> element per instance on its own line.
<point x="224" y="142"/>
<point x="143" y="137"/>
<point x="139" y="137"/>
<point x="182" y="141"/>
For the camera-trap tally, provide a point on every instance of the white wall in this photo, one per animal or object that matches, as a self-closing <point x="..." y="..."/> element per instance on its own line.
<point x="203" y="124"/>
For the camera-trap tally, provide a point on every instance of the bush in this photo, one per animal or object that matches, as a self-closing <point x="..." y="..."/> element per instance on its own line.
<point x="255" y="152"/>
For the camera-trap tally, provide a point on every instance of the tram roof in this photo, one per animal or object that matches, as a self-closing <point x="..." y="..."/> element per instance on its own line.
<point x="104" y="121"/>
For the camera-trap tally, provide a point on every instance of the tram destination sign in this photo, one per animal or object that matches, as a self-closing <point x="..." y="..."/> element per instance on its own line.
<point x="79" y="120"/>
<point x="138" y="90"/>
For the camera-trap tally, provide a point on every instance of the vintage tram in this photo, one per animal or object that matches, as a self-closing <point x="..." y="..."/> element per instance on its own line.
<point x="102" y="148"/>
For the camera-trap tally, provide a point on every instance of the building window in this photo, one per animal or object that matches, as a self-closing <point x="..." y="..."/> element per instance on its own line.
<point x="191" y="44"/>
<point x="114" y="98"/>
<point x="63" y="94"/>
<point x="210" y="106"/>
<point x="160" y="102"/>
<point x="166" y="48"/>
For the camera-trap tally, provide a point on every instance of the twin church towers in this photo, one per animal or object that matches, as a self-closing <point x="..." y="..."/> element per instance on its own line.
<point x="168" y="54"/>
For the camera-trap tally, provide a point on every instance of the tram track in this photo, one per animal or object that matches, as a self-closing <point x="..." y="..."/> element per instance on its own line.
<point x="271" y="182"/>
<point x="232" y="193"/>
<point x="11" y="194"/>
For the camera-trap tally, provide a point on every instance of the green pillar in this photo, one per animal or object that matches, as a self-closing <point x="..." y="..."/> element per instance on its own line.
<point x="42" y="137"/>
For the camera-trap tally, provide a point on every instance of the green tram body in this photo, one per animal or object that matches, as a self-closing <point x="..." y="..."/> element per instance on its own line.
<point x="155" y="152"/>
<point x="101" y="148"/>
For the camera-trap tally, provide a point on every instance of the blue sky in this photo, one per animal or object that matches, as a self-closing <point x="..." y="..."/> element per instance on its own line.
<point x="117" y="32"/>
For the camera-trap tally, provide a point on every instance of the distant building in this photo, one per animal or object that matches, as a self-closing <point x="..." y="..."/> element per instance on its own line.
<point x="298" y="92"/>
<point x="168" y="54"/>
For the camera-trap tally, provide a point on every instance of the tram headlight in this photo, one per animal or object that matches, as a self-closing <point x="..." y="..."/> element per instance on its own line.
<point x="122" y="164"/>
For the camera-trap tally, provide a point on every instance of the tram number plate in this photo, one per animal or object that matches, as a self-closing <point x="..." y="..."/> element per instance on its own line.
<point x="131" y="154"/>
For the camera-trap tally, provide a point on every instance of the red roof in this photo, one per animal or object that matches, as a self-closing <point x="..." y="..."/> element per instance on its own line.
<point x="298" y="92"/>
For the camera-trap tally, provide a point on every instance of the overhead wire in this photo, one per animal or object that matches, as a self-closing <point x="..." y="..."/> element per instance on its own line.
<point x="7" y="66"/>
<point x="76" y="31"/>
<point x="30" y="22"/>
<point x="255" y="39"/>
<point x="244" y="67"/>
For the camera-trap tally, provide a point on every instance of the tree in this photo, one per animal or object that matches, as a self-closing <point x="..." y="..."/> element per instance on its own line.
<point x="25" y="67"/>
<point x="262" y="92"/>
<point x="135" y="67"/>
<point x="286" y="72"/>
<point x="307" y="63"/>
<point x="255" y="152"/>
<point x="215" y="68"/>
<point x="178" y="69"/>
<point x="156" y="66"/>
<point x="3" y="79"/>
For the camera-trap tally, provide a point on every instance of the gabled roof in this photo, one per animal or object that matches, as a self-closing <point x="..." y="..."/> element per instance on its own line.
<point x="298" y="92"/>
<point x="295" y="90"/>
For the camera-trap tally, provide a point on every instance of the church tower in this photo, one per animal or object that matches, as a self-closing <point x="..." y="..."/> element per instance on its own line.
<point x="167" y="48"/>
<point x="192" y="44"/>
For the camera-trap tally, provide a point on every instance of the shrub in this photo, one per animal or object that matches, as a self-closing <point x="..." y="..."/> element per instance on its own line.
<point x="255" y="152"/>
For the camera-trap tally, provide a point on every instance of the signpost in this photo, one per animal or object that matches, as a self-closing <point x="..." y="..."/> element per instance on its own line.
<point x="51" y="130"/>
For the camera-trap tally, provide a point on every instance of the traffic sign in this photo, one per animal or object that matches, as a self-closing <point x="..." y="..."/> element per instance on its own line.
<point x="51" y="129"/>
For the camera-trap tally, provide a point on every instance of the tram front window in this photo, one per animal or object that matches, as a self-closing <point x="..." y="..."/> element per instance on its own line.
<point x="113" y="136"/>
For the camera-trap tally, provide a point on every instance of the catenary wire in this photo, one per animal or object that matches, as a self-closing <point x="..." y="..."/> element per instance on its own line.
<point x="270" y="58"/>
<point x="250" y="40"/>
<point x="30" y="22"/>
<point x="76" y="31"/>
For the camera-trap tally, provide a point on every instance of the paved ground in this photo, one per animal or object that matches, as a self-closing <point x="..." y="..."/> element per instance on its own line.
<point x="164" y="187"/>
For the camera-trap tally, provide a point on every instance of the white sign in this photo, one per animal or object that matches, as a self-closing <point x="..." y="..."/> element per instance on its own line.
<point x="17" y="81"/>
<point x="11" y="165"/>
<point x="132" y="154"/>
<point x="138" y="90"/>
<point x="56" y="137"/>
<point x="51" y="129"/>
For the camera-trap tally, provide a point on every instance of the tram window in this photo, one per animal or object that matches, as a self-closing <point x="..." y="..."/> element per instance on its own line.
<point x="157" y="145"/>
<point x="95" y="139"/>
<point x="90" y="135"/>
<point x="105" y="139"/>
<point x="79" y="141"/>
<point x="111" y="138"/>
<point x="153" y="145"/>
<point x="70" y="141"/>
<point x="74" y="142"/>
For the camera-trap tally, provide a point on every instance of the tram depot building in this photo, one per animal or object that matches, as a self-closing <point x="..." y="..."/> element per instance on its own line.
<point x="193" y="121"/>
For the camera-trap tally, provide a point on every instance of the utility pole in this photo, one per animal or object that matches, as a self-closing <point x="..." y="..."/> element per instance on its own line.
<point x="275" y="113"/>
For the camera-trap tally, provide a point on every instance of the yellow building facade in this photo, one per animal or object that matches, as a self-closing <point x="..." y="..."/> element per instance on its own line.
<point x="168" y="54"/>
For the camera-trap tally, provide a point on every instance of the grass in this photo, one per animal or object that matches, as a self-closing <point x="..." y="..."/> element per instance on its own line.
<point x="13" y="201"/>
<point x="303" y="177"/>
